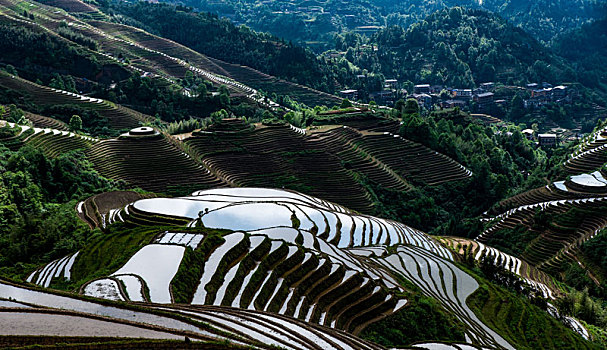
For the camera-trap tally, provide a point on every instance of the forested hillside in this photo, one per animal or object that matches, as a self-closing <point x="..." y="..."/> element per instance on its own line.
<point x="461" y="48"/>
<point x="586" y="50"/>
<point x="315" y="23"/>
<point x="210" y="35"/>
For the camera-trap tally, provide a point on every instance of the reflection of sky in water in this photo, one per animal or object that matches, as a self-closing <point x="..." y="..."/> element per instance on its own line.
<point x="246" y="217"/>
<point x="157" y="265"/>
<point x="62" y="302"/>
<point x="587" y="180"/>
<point x="176" y="206"/>
<point x="285" y="233"/>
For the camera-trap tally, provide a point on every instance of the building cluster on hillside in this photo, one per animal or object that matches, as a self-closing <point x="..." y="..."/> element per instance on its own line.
<point x="546" y="94"/>
<point x="481" y="99"/>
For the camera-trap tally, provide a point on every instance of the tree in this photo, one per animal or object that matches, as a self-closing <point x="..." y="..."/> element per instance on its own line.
<point x="411" y="106"/>
<point x="345" y="103"/>
<point x="10" y="69"/>
<point x="399" y="105"/>
<point x="75" y="123"/>
<point x="518" y="108"/>
<point x="219" y="115"/>
<point x="16" y="115"/>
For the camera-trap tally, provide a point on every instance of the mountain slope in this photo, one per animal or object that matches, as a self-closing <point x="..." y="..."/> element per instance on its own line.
<point x="461" y="47"/>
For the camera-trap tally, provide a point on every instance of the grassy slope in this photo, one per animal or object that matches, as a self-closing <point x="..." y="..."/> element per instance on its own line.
<point x="107" y="252"/>
<point x="524" y="325"/>
<point x="423" y="320"/>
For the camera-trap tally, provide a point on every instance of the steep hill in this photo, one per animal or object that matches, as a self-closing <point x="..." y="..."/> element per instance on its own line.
<point x="310" y="259"/>
<point x="117" y="116"/>
<point x="543" y="19"/>
<point x="460" y="47"/>
<point x="547" y="226"/>
<point x="586" y="49"/>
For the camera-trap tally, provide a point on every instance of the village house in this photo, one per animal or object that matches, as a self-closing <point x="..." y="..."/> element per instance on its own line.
<point x="547" y="140"/>
<point x="462" y="94"/>
<point x="391" y="84"/>
<point x="529" y="134"/>
<point x="424" y="100"/>
<point x="453" y="104"/>
<point x="421" y="89"/>
<point x="351" y="95"/>
<point x="484" y="101"/>
<point x="487" y="86"/>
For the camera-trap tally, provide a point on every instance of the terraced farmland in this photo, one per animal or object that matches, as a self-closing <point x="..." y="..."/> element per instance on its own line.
<point x="72" y="319"/>
<point x="538" y="279"/>
<point x="71" y="5"/>
<point x="52" y="142"/>
<point x="407" y="158"/>
<point x="279" y="156"/>
<point x="445" y="282"/>
<point x="591" y="154"/>
<point x="265" y="271"/>
<point x="576" y="187"/>
<point x="324" y="162"/>
<point x="118" y="117"/>
<point x="579" y="212"/>
<point x="134" y="159"/>
<point x="270" y="84"/>
<point x="43" y="122"/>
<point x="98" y="209"/>
<point x="305" y="258"/>
<point x="246" y="76"/>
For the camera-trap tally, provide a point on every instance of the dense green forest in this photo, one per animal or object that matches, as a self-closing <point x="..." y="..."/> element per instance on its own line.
<point x="40" y="55"/>
<point x="38" y="221"/>
<point x="315" y="23"/>
<point x="586" y="50"/>
<point x="207" y="34"/>
<point x="460" y="48"/>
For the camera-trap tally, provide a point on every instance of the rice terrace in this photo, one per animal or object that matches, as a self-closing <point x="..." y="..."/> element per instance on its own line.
<point x="303" y="174"/>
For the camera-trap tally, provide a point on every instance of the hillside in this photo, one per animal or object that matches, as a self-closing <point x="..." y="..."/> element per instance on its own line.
<point x="461" y="47"/>
<point x="585" y="48"/>
<point x="316" y="22"/>
<point x="553" y="226"/>
<point x="260" y="51"/>
<point x="171" y="179"/>
<point x="273" y="265"/>
<point x="236" y="154"/>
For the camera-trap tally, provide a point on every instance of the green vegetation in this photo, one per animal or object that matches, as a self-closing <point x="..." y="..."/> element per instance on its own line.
<point x="586" y="48"/>
<point x="38" y="222"/>
<point x="524" y="325"/>
<point x="594" y="250"/>
<point x="423" y="320"/>
<point x="47" y="51"/>
<point x="584" y="307"/>
<point x="154" y="97"/>
<point x="487" y="48"/>
<point x="317" y="23"/>
<point x="106" y="252"/>
<point x="498" y="158"/>
<point x="69" y="34"/>
<point x="208" y="34"/>
<point x="187" y="278"/>
<point x="414" y="43"/>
